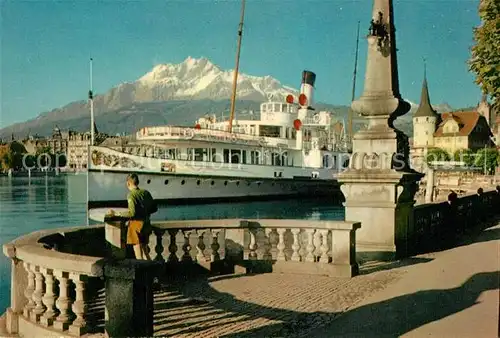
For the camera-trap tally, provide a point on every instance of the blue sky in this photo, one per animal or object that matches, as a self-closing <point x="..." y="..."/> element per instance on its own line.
<point x="45" y="45"/>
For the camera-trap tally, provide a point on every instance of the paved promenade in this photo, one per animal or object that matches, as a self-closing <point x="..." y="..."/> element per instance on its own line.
<point x="453" y="293"/>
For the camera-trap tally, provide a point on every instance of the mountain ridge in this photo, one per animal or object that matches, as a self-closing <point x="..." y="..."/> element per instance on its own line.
<point x="197" y="86"/>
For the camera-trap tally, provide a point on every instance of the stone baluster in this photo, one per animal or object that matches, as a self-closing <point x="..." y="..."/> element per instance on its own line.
<point x="79" y="307"/>
<point x="200" y="247"/>
<point x="49" y="299"/>
<point x="295" y="245"/>
<point x="324" y="246"/>
<point x="159" y="244"/>
<point x="28" y="293"/>
<point x="317" y="245"/>
<point x="334" y="246"/>
<point x="252" y="255"/>
<point x="186" y="247"/>
<point x="39" y="308"/>
<point x="214" y="256"/>
<point x="281" y="244"/>
<point x="310" y="245"/>
<point x="269" y="249"/>
<point x="172" y="247"/>
<point x="63" y="302"/>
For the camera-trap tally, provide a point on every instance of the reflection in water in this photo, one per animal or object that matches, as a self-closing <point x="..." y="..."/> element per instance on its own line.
<point x="30" y="204"/>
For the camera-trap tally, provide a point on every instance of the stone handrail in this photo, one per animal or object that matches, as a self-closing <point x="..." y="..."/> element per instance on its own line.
<point x="438" y="224"/>
<point x="284" y="245"/>
<point x="48" y="285"/>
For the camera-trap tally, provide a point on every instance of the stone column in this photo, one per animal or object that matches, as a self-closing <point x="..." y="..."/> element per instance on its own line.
<point x="379" y="186"/>
<point x="429" y="189"/>
<point x="129" y="297"/>
<point x="18" y="286"/>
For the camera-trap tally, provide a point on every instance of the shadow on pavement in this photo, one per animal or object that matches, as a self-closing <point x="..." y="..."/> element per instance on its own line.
<point x="399" y="315"/>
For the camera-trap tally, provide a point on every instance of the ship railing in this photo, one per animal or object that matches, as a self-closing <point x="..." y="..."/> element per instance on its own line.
<point x="56" y="286"/>
<point x="318" y="121"/>
<point x="274" y="245"/>
<point x="188" y="133"/>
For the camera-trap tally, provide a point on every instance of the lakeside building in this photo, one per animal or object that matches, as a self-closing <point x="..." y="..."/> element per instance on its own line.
<point x="451" y="131"/>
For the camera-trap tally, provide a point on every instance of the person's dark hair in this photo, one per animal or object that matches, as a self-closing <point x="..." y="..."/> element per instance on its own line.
<point x="133" y="178"/>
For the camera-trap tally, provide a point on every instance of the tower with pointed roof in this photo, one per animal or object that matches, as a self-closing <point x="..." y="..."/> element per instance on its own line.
<point x="425" y="119"/>
<point x="484" y="108"/>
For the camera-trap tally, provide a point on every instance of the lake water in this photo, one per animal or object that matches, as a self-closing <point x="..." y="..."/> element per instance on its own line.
<point x="28" y="205"/>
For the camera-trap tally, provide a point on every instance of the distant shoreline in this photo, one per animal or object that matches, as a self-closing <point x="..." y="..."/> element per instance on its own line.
<point x="39" y="173"/>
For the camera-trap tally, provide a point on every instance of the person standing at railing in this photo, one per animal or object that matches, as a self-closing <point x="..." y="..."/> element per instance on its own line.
<point x="140" y="207"/>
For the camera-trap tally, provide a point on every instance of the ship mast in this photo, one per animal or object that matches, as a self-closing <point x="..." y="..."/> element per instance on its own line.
<point x="91" y="102"/>
<point x="349" y="121"/>
<point x="235" y="78"/>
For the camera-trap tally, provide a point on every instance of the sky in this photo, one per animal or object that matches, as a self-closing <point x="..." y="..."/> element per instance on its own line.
<point x="46" y="45"/>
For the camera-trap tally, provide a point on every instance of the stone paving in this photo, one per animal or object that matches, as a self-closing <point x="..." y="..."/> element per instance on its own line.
<point x="264" y="305"/>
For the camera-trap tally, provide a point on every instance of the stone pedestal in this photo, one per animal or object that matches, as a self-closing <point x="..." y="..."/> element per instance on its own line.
<point x="383" y="203"/>
<point x="379" y="186"/>
<point x="116" y="237"/>
<point x="129" y="297"/>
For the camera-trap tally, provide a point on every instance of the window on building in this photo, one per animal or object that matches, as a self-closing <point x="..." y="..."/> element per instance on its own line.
<point x="226" y="155"/>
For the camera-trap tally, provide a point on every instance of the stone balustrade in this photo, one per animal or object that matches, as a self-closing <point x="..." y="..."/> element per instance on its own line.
<point x="320" y="247"/>
<point x="51" y="288"/>
<point x="59" y="276"/>
<point x="439" y="224"/>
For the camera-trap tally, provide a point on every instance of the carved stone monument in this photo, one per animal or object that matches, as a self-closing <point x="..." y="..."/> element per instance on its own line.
<point x="379" y="186"/>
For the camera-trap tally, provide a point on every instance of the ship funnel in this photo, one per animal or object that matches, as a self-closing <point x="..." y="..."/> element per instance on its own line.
<point x="307" y="88"/>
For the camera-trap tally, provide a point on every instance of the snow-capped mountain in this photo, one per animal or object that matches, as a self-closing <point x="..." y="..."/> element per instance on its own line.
<point x="201" y="79"/>
<point x="194" y="79"/>
<point x="191" y="80"/>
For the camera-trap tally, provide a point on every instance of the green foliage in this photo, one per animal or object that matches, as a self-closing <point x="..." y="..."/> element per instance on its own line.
<point x="43" y="150"/>
<point x="30" y="161"/>
<point x="465" y="155"/>
<point x="485" y="58"/>
<point x="7" y="161"/>
<point x="488" y="155"/>
<point x="12" y="156"/>
<point x="437" y="154"/>
<point x="59" y="160"/>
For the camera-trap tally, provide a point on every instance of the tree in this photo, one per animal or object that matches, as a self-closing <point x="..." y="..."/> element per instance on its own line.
<point x="465" y="155"/>
<point x="12" y="157"/>
<point x="44" y="157"/>
<point x="7" y="161"/>
<point x="485" y="58"/>
<point x="437" y="154"/>
<point x="488" y="155"/>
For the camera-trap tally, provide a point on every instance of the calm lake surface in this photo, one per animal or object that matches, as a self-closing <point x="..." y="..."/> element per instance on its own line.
<point x="28" y="205"/>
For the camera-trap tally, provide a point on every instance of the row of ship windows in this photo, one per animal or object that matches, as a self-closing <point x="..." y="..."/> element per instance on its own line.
<point x="198" y="182"/>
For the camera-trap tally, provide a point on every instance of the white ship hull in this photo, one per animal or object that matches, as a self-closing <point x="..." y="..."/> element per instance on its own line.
<point x="187" y="182"/>
<point x="180" y="189"/>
